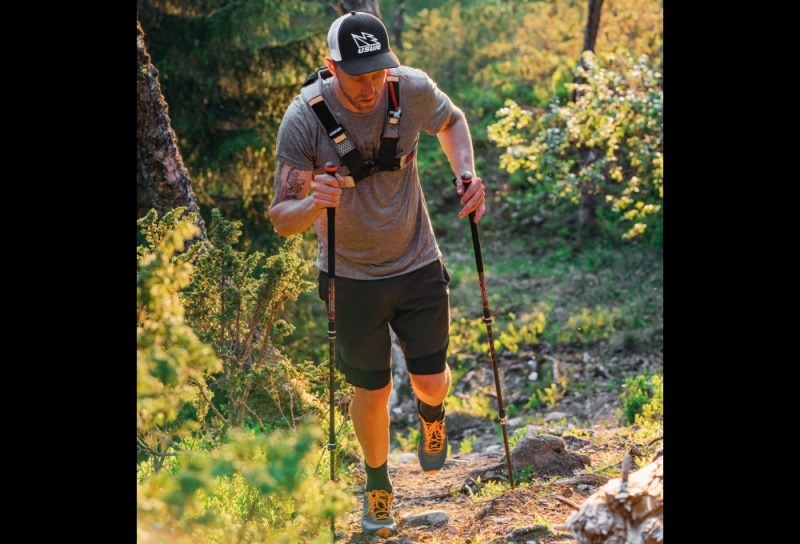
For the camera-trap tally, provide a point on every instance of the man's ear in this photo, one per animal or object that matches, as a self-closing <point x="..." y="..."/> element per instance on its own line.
<point x="331" y="65"/>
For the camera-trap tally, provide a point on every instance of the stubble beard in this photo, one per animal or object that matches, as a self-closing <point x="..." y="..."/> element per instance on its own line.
<point x="359" y="106"/>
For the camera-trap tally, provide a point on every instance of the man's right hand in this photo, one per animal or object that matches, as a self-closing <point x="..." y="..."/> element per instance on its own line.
<point x="293" y="209"/>
<point x="326" y="190"/>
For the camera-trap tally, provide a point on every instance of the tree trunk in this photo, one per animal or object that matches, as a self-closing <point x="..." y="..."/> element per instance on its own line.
<point x="627" y="510"/>
<point x="592" y="25"/>
<point x="397" y="27"/>
<point x="370" y="6"/>
<point x="159" y="166"/>
<point x="588" y="203"/>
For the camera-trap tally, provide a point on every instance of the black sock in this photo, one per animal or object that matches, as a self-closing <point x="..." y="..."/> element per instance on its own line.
<point x="378" y="478"/>
<point x="430" y="413"/>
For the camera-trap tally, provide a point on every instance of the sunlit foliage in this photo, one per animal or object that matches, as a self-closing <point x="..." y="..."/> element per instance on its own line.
<point x="172" y="363"/>
<point x="254" y="488"/>
<point x="609" y="142"/>
<point x="204" y="476"/>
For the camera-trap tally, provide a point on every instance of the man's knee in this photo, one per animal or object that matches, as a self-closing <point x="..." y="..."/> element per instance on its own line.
<point x="431" y="384"/>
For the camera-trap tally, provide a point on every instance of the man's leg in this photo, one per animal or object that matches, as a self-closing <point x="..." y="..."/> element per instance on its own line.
<point x="431" y="390"/>
<point x="369" y="412"/>
<point x="423" y="328"/>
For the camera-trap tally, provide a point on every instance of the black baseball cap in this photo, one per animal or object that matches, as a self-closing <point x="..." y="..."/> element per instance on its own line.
<point x="359" y="43"/>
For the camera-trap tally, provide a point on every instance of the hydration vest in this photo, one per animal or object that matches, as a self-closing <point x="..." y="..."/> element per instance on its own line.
<point x="311" y="92"/>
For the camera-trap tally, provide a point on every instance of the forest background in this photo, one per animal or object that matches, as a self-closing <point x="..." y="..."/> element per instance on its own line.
<point x="572" y="240"/>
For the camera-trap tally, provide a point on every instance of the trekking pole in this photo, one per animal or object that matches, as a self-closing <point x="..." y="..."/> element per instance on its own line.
<point x="331" y="168"/>
<point x="466" y="177"/>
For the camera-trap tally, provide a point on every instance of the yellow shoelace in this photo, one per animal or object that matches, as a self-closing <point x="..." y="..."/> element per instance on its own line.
<point x="380" y="502"/>
<point x="434" y="434"/>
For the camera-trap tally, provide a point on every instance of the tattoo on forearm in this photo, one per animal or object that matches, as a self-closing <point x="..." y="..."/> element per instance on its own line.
<point x="289" y="185"/>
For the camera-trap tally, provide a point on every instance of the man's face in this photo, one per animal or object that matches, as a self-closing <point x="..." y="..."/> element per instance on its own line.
<point x="362" y="92"/>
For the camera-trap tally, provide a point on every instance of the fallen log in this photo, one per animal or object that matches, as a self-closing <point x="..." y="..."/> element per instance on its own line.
<point x="626" y="510"/>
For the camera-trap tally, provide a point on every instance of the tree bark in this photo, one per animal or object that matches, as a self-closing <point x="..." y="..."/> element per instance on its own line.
<point x="592" y="25"/>
<point x="370" y="6"/>
<point x="397" y="26"/>
<point x="588" y="203"/>
<point x="159" y="166"/>
<point x="625" y="510"/>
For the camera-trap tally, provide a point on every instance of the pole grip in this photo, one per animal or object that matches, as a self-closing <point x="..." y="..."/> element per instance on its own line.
<point x="331" y="168"/>
<point x="466" y="178"/>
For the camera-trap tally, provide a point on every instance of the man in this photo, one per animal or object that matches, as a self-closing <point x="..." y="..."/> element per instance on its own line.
<point x="389" y="270"/>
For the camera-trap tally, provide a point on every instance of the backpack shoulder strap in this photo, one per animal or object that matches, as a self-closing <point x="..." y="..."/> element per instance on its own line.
<point x="391" y="134"/>
<point x="311" y="92"/>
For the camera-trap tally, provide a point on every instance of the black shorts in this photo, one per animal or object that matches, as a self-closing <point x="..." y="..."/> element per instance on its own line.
<point x="416" y="305"/>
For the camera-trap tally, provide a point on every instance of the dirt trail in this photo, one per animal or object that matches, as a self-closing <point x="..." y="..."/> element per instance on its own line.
<point x="522" y="514"/>
<point x="531" y="512"/>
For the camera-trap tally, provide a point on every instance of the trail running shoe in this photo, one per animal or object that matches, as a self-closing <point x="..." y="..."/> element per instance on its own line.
<point x="376" y="517"/>
<point x="432" y="446"/>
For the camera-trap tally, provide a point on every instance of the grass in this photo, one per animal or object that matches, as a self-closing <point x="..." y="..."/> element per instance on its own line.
<point x="600" y="293"/>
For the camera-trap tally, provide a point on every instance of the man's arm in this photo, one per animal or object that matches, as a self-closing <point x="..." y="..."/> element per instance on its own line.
<point x="293" y="210"/>
<point x="457" y="145"/>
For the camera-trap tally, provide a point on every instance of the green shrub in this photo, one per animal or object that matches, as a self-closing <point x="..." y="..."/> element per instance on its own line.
<point x="652" y="415"/>
<point x="512" y="337"/>
<point x="606" y="146"/>
<point x="465" y="446"/>
<point x="643" y="401"/>
<point x="589" y="326"/>
<point x="253" y="488"/>
<point x="172" y="363"/>
<point x="200" y="478"/>
<point x="234" y="303"/>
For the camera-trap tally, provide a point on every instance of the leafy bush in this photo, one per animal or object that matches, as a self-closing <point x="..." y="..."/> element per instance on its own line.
<point x="201" y="478"/>
<point x="172" y="362"/>
<point x="643" y="401"/>
<point x="652" y="415"/>
<point x="513" y="337"/>
<point x="526" y="52"/>
<point x="234" y="303"/>
<point x="607" y="145"/>
<point x="465" y="446"/>
<point x="589" y="326"/>
<point x="253" y="489"/>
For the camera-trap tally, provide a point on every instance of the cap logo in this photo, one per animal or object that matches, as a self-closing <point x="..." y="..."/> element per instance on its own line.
<point x="366" y="42"/>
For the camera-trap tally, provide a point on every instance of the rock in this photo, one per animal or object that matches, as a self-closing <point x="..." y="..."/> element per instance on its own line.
<point x="555" y="416"/>
<point x="399" y="373"/>
<point x="547" y="456"/>
<point x="433" y="518"/>
<point x="395" y="540"/>
<point x="544" y="455"/>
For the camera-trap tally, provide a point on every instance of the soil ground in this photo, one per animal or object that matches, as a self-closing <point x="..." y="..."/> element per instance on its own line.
<point x="531" y="511"/>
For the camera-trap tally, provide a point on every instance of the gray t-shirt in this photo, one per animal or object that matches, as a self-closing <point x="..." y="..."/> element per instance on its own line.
<point x="382" y="224"/>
